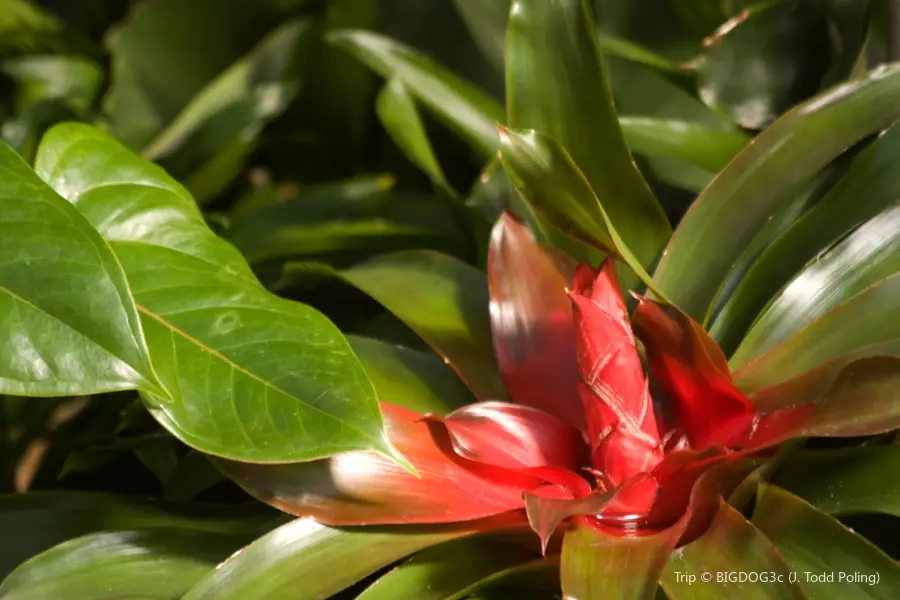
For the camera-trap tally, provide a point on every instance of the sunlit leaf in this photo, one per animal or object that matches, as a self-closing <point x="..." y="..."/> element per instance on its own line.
<point x="253" y="376"/>
<point x="731" y="211"/>
<point x="70" y="323"/>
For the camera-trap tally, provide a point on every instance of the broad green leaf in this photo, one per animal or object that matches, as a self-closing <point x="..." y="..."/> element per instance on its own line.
<point x="690" y="143"/>
<point x="166" y="51"/>
<point x="346" y="217"/>
<point x="400" y="118"/>
<point x="762" y="62"/>
<point x="600" y="565"/>
<point x="550" y="181"/>
<point x="297" y="561"/>
<point x="867" y="320"/>
<point x="731" y="545"/>
<point x="845" y="481"/>
<point x="461" y="106"/>
<point x="254" y="377"/>
<point x="34" y="522"/>
<point x="235" y="106"/>
<point x="446" y="572"/>
<point x="868" y="186"/>
<point x="443" y="300"/>
<point x="863" y="258"/>
<point x="556" y="40"/>
<point x="75" y="80"/>
<point x="26" y="27"/>
<point x="814" y="544"/>
<point x="731" y="211"/>
<point x="70" y="325"/>
<point x="409" y="378"/>
<point x="152" y="563"/>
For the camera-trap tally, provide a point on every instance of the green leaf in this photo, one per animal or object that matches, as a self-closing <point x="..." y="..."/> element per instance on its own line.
<point x="868" y="186"/>
<point x="731" y="211"/>
<point x="443" y="300"/>
<point x="690" y="143"/>
<point x="75" y="80"/>
<point x="551" y="183"/>
<point x="765" y="60"/>
<point x="816" y="545"/>
<point x="413" y="379"/>
<point x="400" y="118"/>
<point x="34" y="522"/>
<point x="166" y="51"/>
<point x="297" y="560"/>
<point x="865" y="321"/>
<point x="845" y="481"/>
<point x="850" y="19"/>
<point x="731" y="546"/>
<point x="157" y="563"/>
<point x="254" y="377"/>
<point x="447" y="572"/>
<point x="556" y="40"/>
<point x="599" y="565"/>
<point x="70" y="324"/>
<point x="235" y="106"/>
<point x="461" y="106"/>
<point x="863" y="258"/>
<point x="351" y="216"/>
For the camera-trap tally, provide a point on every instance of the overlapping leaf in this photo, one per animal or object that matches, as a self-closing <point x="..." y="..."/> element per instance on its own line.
<point x="70" y="324"/>
<point x="253" y="377"/>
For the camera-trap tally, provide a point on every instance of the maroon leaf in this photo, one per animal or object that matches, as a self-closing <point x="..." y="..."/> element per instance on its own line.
<point x="531" y="321"/>
<point x="694" y="373"/>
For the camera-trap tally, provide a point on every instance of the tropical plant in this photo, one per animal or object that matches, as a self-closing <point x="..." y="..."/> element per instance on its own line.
<point x="545" y="457"/>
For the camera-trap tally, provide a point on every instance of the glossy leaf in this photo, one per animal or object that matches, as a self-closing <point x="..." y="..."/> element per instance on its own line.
<point x="232" y="109"/>
<point x="70" y="324"/>
<point x="552" y="184"/>
<point x="732" y="544"/>
<point x="532" y="321"/>
<point x="166" y="51"/>
<point x="863" y="258"/>
<point x="556" y="40"/>
<point x="400" y="118"/>
<point x="156" y="563"/>
<point x="445" y="301"/>
<point x="295" y="562"/>
<point x="34" y="522"/>
<point x="863" y="322"/>
<point x="869" y="185"/>
<point x="854" y="395"/>
<point x="597" y="564"/>
<point x="211" y="327"/>
<point x="731" y="211"/>
<point x="764" y="60"/>
<point x="413" y="379"/>
<point x="845" y="481"/>
<point x="446" y="572"/>
<point x="814" y="543"/>
<point x="461" y="106"/>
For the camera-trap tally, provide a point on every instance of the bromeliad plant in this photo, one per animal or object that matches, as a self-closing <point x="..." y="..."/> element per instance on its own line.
<point x="770" y="317"/>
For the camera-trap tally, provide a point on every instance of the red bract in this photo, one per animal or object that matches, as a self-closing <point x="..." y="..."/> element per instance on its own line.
<point x="584" y="438"/>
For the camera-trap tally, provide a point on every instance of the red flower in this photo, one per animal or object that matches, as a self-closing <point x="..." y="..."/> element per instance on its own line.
<point x="584" y="437"/>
